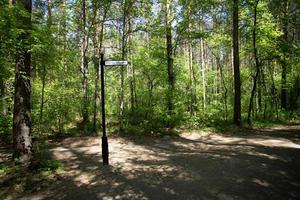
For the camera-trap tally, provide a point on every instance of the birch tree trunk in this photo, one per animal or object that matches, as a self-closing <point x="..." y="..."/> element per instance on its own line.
<point x="203" y="73"/>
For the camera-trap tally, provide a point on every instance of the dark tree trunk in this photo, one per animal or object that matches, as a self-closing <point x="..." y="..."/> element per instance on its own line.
<point x="283" y="62"/>
<point x="22" y="143"/>
<point x="257" y="67"/>
<point x="97" y="51"/>
<point x="223" y="82"/>
<point x="295" y="93"/>
<point x="84" y="67"/>
<point x="236" y="64"/>
<point x="170" y="67"/>
<point x="283" y="86"/>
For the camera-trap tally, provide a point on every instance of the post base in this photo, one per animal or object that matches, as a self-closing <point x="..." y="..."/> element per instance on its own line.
<point x="104" y="150"/>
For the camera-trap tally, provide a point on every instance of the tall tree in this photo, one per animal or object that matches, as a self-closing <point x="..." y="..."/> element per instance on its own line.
<point x="22" y="143"/>
<point x="2" y="95"/>
<point x="236" y="63"/>
<point x="124" y="51"/>
<point x="203" y="69"/>
<point x="257" y="64"/>
<point x="98" y="42"/>
<point x="284" y="60"/>
<point x="84" y="65"/>
<point x="49" y="23"/>
<point x="170" y="61"/>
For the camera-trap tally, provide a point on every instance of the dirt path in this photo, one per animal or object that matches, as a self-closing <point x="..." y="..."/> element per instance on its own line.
<point x="262" y="164"/>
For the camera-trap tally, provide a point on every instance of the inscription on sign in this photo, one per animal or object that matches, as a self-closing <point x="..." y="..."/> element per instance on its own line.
<point x="115" y="63"/>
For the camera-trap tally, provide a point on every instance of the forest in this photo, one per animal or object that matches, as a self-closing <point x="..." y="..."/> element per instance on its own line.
<point x="226" y="68"/>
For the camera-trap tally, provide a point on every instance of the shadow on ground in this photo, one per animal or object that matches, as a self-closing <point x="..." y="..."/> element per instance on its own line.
<point x="261" y="164"/>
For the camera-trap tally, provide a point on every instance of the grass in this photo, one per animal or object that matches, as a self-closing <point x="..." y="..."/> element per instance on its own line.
<point x="16" y="179"/>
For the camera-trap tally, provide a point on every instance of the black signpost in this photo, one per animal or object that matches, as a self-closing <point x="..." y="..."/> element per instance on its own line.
<point x="104" y="137"/>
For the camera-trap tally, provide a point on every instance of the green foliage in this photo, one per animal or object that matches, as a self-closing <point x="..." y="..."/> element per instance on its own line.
<point x="20" y="180"/>
<point x="56" y="60"/>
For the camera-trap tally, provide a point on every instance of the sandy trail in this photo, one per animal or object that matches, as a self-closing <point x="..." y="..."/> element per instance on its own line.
<point x="262" y="164"/>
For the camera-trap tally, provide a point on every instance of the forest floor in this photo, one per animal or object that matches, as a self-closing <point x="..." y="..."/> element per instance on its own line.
<point x="244" y="164"/>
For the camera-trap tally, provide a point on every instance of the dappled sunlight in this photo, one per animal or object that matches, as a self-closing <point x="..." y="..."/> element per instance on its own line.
<point x="188" y="166"/>
<point x="261" y="182"/>
<point x="263" y="140"/>
<point x="5" y="154"/>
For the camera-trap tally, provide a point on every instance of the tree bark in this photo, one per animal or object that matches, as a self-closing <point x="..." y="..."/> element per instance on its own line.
<point x="43" y="94"/>
<point x="257" y="65"/>
<point x="2" y="96"/>
<point x="97" y="79"/>
<point x="274" y="99"/>
<point x="22" y="143"/>
<point x="284" y="62"/>
<point x="170" y="66"/>
<point x="49" y="23"/>
<point x="236" y="64"/>
<point x="124" y="56"/>
<point x="97" y="50"/>
<point x="84" y="67"/>
<point x="131" y="70"/>
<point x="223" y="82"/>
<point x="203" y="69"/>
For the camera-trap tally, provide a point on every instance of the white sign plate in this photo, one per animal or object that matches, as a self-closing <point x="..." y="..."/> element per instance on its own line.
<point x="115" y="63"/>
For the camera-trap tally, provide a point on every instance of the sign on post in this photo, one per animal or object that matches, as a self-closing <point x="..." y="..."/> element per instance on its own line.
<point x="115" y="63"/>
<point x="104" y="137"/>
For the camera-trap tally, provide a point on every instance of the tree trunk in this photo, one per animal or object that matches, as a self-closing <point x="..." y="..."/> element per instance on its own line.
<point x="203" y="71"/>
<point x="49" y="11"/>
<point x="284" y="62"/>
<point x="97" y="51"/>
<point x="132" y="88"/>
<point x="190" y="64"/>
<point x="150" y="95"/>
<point x="259" y="92"/>
<point x="43" y="93"/>
<point x="49" y="23"/>
<point x="84" y="67"/>
<point x="134" y="85"/>
<point x="124" y="56"/>
<point x="274" y="99"/>
<point x="236" y="64"/>
<point x="97" y="79"/>
<point x="263" y="83"/>
<point x="283" y="86"/>
<point x="2" y="96"/>
<point x="22" y="143"/>
<point x="192" y="79"/>
<point x="257" y="67"/>
<point x="170" y="67"/>
<point x="223" y="82"/>
<point x="130" y="68"/>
